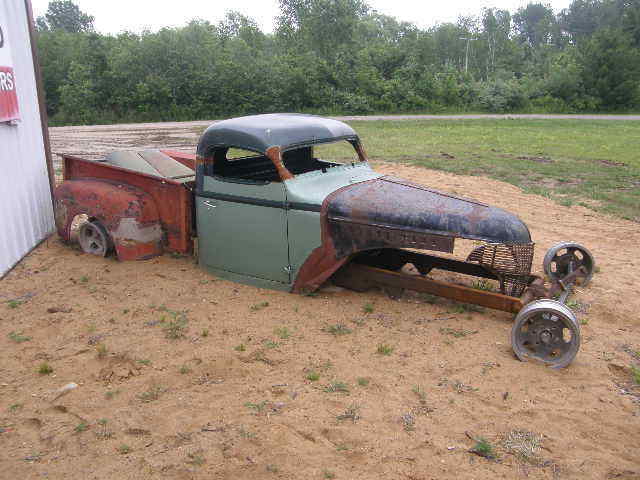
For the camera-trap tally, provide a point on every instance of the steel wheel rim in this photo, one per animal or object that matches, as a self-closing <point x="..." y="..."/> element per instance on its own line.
<point x="93" y="240"/>
<point x="563" y="258"/>
<point x="548" y="332"/>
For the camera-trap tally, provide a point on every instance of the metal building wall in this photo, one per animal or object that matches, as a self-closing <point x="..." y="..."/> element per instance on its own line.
<point x="26" y="212"/>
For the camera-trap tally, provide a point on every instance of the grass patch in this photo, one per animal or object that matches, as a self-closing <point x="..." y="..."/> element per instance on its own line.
<point x="124" y="449"/>
<point x="457" y="332"/>
<point x="259" y="306"/>
<point x="384" y="349"/>
<point x="18" y="337"/>
<point x="240" y="348"/>
<point x="258" y="407"/>
<point x="81" y="427"/>
<point x="368" y="308"/>
<point x="483" y="284"/>
<point x="101" y="350"/>
<point x="351" y="413"/>
<point x="14" y="303"/>
<point x="282" y="332"/>
<point x="111" y="394"/>
<point x="466" y="308"/>
<point x="338" y="329"/>
<point x="151" y="395"/>
<point x="420" y="393"/>
<point x="176" y="327"/>
<point x="195" y="459"/>
<point x="313" y="376"/>
<point x="483" y="448"/>
<point x="532" y="154"/>
<point x="363" y="381"/>
<point x="45" y="369"/>
<point x="635" y="374"/>
<point x="337" y="387"/>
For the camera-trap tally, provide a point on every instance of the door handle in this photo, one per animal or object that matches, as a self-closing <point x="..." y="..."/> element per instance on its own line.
<point x="208" y="204"/>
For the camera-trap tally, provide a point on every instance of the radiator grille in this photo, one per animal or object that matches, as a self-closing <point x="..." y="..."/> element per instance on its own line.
<point x="511" y="263"/>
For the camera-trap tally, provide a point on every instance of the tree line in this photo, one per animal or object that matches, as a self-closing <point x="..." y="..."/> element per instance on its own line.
<point x="342" y="57"/>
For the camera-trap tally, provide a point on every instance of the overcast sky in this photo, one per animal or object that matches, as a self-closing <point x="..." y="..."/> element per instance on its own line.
<point x="113" y="16"/>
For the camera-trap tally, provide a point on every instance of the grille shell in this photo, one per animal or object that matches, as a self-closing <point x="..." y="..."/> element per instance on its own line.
<point x="510" y="263"/>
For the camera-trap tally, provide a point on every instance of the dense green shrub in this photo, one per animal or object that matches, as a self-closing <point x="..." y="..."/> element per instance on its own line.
<point x="339" y="56"/>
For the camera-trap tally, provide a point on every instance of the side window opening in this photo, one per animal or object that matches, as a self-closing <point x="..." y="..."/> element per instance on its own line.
<point x="244" y="165"/>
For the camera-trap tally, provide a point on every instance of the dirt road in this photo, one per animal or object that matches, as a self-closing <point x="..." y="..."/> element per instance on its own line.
<point x="95" y="140"/>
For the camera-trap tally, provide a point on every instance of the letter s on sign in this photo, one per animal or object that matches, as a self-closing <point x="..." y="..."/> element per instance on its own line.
<point x="10" y="81"/>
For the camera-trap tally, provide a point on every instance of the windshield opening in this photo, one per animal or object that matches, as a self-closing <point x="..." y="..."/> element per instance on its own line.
<point x="320" y="157"/>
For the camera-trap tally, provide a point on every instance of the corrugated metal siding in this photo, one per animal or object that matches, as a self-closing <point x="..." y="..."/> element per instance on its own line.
<point x="26" y="213"/>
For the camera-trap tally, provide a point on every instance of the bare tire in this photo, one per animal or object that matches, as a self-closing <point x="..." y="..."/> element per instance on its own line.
<point x="94" y="239"/>
<point x="547" y="331"/>
<point x="565" y="257"/>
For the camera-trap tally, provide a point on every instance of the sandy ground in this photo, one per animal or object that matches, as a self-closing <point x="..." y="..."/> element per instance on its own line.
<point x="234" y="396"/>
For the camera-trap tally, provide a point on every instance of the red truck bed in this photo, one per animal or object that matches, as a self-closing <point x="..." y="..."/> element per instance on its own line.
<point x="173" y="198"/>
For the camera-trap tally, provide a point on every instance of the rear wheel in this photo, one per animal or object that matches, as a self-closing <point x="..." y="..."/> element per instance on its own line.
<point x="547" y="331"/>
<point x="94" y="239"/>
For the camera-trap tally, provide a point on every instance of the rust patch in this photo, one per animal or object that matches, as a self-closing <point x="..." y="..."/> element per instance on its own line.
<point x="129" y="215"/>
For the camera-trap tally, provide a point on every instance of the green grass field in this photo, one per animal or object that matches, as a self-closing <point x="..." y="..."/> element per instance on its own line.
<point x="592" y="163"/>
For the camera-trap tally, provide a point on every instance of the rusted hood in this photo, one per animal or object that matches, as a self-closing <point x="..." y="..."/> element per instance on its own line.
<point x="395" y="205"/>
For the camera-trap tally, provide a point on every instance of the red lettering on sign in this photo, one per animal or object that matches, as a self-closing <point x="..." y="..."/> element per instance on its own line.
<point x="8" y="98"/>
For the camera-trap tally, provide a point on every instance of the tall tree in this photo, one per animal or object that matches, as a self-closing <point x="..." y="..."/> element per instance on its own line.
<point x="321" y="25"/>
<point x="67" y="16"/>
<point x="611" y="68"/>
<point x="536" y="24"/>
<point x="630" y="12"/>
<point x="584" y="17"/>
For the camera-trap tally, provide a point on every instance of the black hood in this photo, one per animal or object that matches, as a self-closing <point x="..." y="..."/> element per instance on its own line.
<point x="396" y="205"/>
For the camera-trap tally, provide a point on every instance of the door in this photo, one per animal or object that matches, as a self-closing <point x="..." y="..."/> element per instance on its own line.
<point x="242" y="228"/>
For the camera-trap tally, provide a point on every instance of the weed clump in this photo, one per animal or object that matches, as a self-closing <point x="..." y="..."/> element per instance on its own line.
<point x="313" y="376"/>
<point x="483" y="448"/>
<point x="337" y="387"/>
<point x="338" y="329"/>
<point x="150" y="395"/>
<point x="45" y="369"/>
<point x="259" y="306"/>
<point x="350" y="413"/>
<point x="175" y="327"/>
<point x="18" y="337"/>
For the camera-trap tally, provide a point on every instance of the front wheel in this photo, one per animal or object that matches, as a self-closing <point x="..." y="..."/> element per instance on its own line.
<point x="547" y="331"/>
<point x="565" y="257"/>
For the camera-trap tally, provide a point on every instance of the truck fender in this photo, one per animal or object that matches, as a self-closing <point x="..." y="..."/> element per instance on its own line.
<point x="129" y="215"/>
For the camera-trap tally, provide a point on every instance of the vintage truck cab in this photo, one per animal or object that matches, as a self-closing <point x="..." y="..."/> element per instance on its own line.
<point x="279" y="217"/>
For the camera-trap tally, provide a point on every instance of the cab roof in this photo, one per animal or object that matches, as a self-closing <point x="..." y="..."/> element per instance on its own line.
<point x="261" y="132"/>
